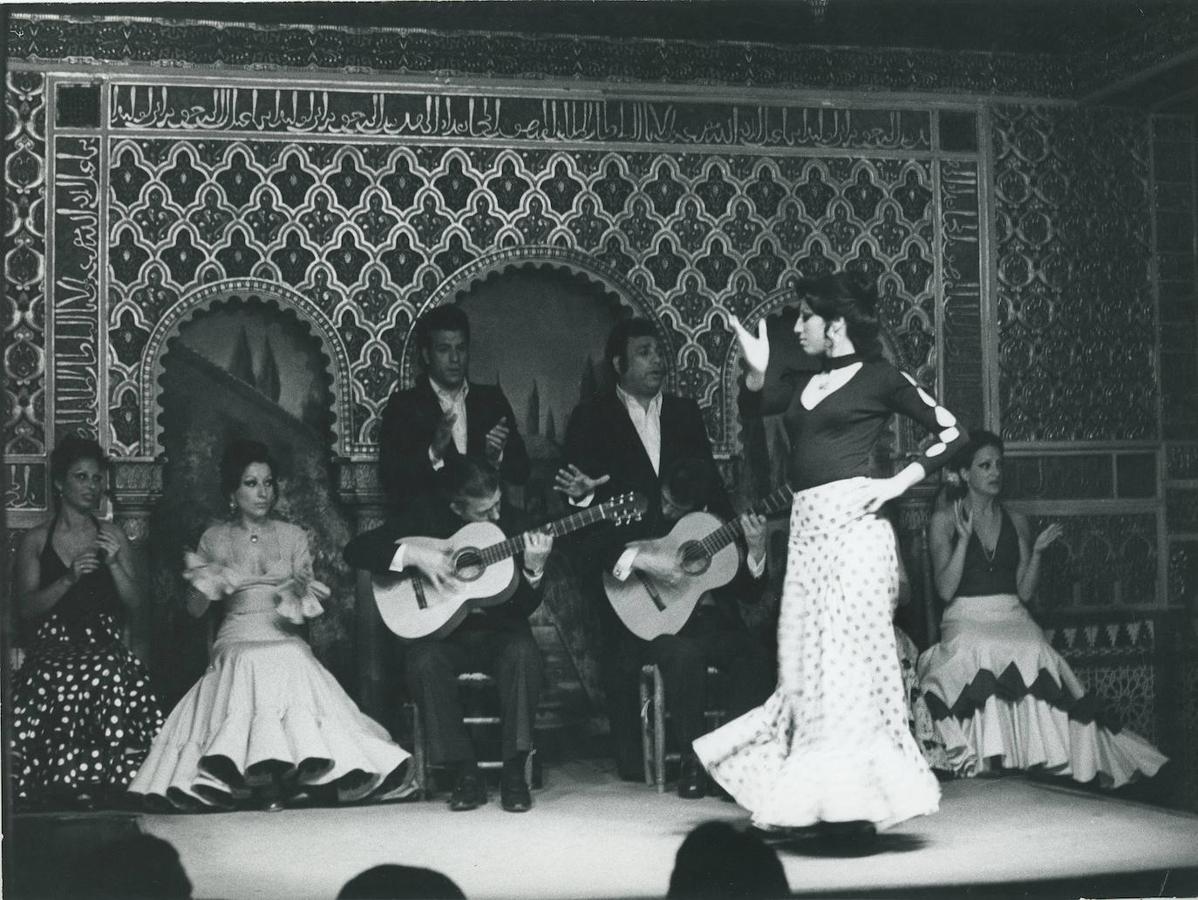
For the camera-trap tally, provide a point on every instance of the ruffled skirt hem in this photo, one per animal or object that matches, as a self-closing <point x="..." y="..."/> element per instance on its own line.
<point x="268" y="711"/>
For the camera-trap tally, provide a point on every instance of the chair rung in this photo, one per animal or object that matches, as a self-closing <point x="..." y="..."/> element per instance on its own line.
<point x="480" y="720"/>
<point x="490" y="764"/>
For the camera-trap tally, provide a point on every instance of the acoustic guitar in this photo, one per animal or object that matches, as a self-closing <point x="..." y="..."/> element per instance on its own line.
<point x="484" y="573"/>
<point x="705" y="555"/>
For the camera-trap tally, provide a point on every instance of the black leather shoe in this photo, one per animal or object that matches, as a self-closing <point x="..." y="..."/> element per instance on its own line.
<point x="513" y="793"/>
<point x="692" y="781"/>
<point x="468" y="793"/>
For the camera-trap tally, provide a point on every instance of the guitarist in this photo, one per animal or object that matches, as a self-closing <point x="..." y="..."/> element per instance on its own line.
<point x="622" y="440"/>
<point x="497" y="639"/>
<point x="714" y="635"/>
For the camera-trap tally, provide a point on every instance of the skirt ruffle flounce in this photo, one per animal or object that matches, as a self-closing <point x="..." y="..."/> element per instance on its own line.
<point x="999" y="693"/>
<point x="269" y="709"/>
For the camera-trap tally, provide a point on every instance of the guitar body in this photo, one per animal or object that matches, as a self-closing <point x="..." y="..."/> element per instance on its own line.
<point x="649" y="608"/>
<point x="414" y="609"/>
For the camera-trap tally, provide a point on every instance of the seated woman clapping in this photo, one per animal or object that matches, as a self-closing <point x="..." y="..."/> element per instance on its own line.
<point x="267" y="722"/>
<point x="83" y="713"/>
<point x="1000" y="694"/>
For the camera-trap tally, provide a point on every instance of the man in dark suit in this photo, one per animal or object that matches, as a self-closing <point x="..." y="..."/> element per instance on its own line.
<point x="623" y="440"/>
<point x="494" y="639"/>
<point x="445" y="415"/>
<point x="715" y="634"/>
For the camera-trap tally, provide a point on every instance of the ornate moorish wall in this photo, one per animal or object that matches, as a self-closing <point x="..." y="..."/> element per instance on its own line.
<point x="1035" y="261"/>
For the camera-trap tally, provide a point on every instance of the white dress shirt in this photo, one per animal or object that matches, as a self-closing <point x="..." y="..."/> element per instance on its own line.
<point x="647" y="422"/>
<point x="456" y="402"/>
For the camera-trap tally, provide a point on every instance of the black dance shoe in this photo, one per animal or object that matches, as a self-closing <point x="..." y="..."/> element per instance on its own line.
<point x="469" y="792"/>
<point x="692" y="781"/>
<point x="513" y="792"/>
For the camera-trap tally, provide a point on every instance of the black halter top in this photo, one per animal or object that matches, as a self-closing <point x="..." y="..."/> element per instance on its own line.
<point x="985" y="573"/>
<point x="91" y="595"/>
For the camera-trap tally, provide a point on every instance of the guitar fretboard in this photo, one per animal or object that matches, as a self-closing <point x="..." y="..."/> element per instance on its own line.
<point x="513" y="545"/>
<point x="730" y="531"/>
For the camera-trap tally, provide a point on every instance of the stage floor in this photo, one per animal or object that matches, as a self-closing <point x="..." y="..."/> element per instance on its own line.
<point x="590" y="835"/>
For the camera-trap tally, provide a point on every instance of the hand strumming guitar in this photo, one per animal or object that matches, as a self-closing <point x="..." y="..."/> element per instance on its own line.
<point x="575" y="483"/>
<point x="435" y="565"/>
<point x="652" y="562"/>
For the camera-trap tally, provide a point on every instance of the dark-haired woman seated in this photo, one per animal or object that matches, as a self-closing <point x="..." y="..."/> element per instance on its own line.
<point x="999" y="692"/>
<point x="83" y="713"/>
<point x="266" y="723"/>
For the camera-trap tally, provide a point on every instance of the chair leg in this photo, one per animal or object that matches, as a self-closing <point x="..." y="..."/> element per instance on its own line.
<point x="659" y="729"/>
<point x="420" y="753"/>
<point x="646" y="733"/>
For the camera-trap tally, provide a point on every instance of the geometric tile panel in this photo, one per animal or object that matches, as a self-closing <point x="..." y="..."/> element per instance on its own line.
<point x="1100" y="561"/>
<point x="370" y="232"/>
<point x="23" y="248"/>
<point x="1075" y="302"/>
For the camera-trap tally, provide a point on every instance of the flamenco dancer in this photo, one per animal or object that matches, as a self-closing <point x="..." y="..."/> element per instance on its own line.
<point x="831" y="746"/>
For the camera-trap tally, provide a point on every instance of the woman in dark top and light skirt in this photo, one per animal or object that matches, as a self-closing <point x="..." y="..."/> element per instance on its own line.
<point x="999" y="693"/>
<point x="832" y="744"/>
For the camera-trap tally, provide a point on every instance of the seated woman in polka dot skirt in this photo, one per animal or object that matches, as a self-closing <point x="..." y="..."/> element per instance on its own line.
<point x="267" y="722"/>
<point x="83" y="713"/>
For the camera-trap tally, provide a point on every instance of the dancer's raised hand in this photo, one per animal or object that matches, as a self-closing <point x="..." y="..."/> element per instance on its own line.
<point x="756" y="350"/>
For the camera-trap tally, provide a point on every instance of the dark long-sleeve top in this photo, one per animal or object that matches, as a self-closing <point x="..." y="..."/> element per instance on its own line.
<point x="429" y="516"/>
<point x="409" y="422"/>
<point x="836" y="439"/>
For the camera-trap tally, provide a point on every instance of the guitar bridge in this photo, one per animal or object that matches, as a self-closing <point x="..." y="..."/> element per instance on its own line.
<point x="652" y="591"/>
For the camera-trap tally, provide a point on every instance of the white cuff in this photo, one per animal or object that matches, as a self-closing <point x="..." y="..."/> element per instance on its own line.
<point x="585" y="501"/>
<point x="756" y="566"/>
<point x="397" y="559"/>
<point x="533" y="580"/>
<point x="623" y="567"/>
<point x="437" y="462"/>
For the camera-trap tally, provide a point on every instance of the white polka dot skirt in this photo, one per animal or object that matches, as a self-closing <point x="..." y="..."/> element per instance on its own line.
<point x="832" y="743"/>
<point x="83" y="713"/>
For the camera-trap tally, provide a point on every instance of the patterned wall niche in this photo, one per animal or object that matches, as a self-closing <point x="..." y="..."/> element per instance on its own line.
<point x="368" y="232"/>
<point x="1076" y="311"/>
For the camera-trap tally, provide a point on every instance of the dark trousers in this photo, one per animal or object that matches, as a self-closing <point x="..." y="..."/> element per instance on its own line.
<point x="511" y="656"/>
<point x="707" y="639"/>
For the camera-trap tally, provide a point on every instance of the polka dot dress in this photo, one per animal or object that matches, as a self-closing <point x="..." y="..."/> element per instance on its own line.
<point x="832" y="743"/>
<point x="83" y="712"/>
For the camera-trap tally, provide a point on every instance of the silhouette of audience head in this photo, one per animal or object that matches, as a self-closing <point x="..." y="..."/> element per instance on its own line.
<point x="134" y="866"/>
<point x="718" y="861"/>
<point x="394" y="882"/>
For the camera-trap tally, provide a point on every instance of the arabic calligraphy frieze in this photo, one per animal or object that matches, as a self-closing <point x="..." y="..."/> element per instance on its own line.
<point x="103" y="40"/>
<point x="23" y="247"/>
<point x="369" y="233"/>
<point x="77" y="377"/>
<point x="961" y="318"/>
<point x="1075" y="308"/>
<point x="604" y="120"/>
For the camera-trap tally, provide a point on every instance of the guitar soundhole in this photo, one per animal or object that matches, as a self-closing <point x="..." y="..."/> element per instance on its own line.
<point x="468" y="564"/>
<point x="693" y="559"/>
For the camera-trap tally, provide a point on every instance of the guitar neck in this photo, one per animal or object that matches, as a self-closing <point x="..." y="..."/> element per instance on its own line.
<point x="514" y="545"/>
<point x="730" y="531"/>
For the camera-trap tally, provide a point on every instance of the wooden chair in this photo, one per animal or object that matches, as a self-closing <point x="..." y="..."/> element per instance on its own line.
<point x="480" y="685"/>
<point x="653" y="724"/>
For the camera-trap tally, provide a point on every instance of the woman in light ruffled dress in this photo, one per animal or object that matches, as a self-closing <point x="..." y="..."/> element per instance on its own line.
<point x="267" y="723"/>
<point x="999" y="694"/>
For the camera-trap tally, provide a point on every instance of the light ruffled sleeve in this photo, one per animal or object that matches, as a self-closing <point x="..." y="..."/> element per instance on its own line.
<point x="208" y="576"/>
<point x="301" y="595"/>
